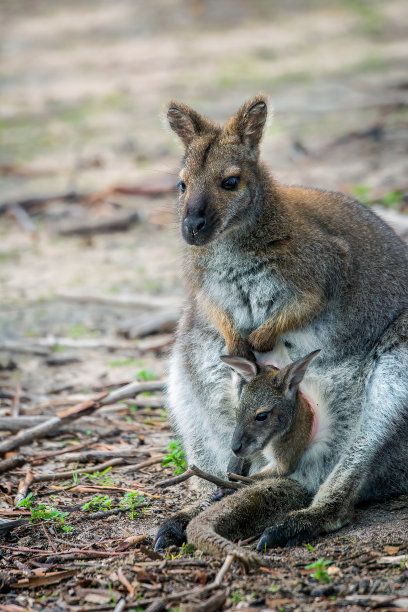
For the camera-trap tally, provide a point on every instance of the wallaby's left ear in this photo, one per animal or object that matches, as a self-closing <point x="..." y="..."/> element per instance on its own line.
<point x="292" y="375"/>
<point x="244" y="367"/>
<point x="187" y="123"/>
<point x="249" y="122"/>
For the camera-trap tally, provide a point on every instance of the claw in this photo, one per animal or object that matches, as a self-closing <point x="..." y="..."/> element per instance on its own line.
<point x="168" y="534"/>
<point x="160" y="543"/>
<point x="273" y="537"/>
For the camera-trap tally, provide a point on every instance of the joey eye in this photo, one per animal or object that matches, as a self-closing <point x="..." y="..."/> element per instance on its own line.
<point x="181" y="186"/>
<point x="261" y="416"/>
<point x="230" y="183"/>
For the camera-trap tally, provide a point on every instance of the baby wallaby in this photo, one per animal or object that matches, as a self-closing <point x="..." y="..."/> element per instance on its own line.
<point x="273" y="418"/>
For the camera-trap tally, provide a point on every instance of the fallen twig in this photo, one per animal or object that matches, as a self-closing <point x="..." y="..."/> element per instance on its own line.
<point x="119" y="222"/>
<point x="23" y="487"/>
<point x="195" y="471"/>
<point x="70" y="473"/>
<point x="239" y="478"/>
<point x="147" y="324"/>
<point x="52" y="425"/>
<point x="47" y="535"/>
<point x="209" y="587"/>
<point x="143" y="464"/>
<point x="11" y="463"/>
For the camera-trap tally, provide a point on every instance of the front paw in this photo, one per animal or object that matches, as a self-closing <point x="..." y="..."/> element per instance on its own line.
<point x="172" y="532"/>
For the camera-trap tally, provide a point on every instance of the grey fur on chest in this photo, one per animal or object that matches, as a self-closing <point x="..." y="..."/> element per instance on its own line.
<point x="246" y="288"/>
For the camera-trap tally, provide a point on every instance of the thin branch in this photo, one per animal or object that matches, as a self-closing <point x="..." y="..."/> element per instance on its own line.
<point x="239" y="478"/>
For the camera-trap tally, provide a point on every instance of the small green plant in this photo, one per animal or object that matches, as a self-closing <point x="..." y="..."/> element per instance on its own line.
<point x="320" y="566"/>
<point x="100" y="477"/>
<point x="362" y="193"/>
<point x="41" y="512"/>
<point x="113" y="598"/>
<point x="235" y="597"/>
<point x="131" y="502"/>
<point x="274" y="588"/>
<point x="310" y="547"/>
<point x="146" y="375"/>
<point x="176" y="458"/>
<point x="98" y="503"/>
<point x="404" y="563"/>
<point x="122" y="362"/>
<point x="393" y="199"/>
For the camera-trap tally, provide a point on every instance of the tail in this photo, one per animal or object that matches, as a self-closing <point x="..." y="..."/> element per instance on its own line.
<point x="247" y="512"/>
<point x="201" y="532"/>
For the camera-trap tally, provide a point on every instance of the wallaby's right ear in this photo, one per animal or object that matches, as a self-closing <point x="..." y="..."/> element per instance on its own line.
<point x="249" y="122"/>
<point x="292" y="375"/>
<point x="244" y="367"/>
<point x="187" y="123"/>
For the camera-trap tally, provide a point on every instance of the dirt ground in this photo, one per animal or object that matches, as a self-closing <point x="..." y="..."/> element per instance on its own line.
<point x="86" y="308"/>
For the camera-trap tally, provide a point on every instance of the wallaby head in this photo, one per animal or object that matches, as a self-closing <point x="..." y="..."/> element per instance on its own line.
<point x="268" y="403"/>
<point x="219" y="182"/>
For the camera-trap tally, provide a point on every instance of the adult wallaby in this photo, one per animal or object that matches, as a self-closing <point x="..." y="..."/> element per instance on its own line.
<point x="275" y="419"/>
<point x="278" y="269"/>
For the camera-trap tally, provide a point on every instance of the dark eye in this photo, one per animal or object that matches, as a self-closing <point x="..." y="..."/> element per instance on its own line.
<point x="261" y="416"/>
<point x="182" y="186"/>
<point x="230" y="183"/>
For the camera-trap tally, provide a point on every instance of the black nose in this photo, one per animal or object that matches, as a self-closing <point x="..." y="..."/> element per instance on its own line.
<point x="236" y="446"/>
<point x="195" y="222"/>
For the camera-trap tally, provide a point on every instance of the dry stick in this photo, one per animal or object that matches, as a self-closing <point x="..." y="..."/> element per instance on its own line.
<point x="23" y="486"/>
<point x="54" y="548"/>
<point x="70" y="473"/>
<point x="240" y="478"/>
<point x="98" y="455"/>
<point x="176" y="480"/>
<point x="123" y="580"/>
<point x="62" y="451"/>
<point x="195" y="471"/>
<point x="15" y="406"/>
<point x="45" y="553"/>
<point x="54" y="424"/>
<point x="209" y="587"/>
<point x="143" y="464"/>
<point x="211" y="605"/>
<point x="120" y="606"/>
<point x="11" y="463"/>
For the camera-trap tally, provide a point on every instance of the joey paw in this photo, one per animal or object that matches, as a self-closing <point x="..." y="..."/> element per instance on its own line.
<point x="220" y="493"/>
<point x="170" y="533"/>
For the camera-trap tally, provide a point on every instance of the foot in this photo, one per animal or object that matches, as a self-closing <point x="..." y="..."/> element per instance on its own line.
<point x="172" y="532"/>
<point x="304" y="525"/>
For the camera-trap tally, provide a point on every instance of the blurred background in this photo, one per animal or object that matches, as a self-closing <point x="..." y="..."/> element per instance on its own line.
<point x="89" y="247"/>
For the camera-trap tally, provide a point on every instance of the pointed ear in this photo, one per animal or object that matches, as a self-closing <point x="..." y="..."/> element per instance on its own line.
<point x="292" y="375"/>
<point x="249" y="122"/>
<point x="244" y="367"/>
<point x="187" y="123"/>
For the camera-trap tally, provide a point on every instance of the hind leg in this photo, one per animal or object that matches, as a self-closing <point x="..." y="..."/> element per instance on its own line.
<point x="364" y="468"/>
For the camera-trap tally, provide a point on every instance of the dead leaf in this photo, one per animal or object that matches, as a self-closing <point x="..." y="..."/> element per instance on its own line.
<point x="391" y="550"/>
<point x="131" y="541"/>
<point x="50" y="578"/>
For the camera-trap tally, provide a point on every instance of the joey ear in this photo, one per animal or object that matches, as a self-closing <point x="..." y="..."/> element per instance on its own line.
<point x="292" y="375"/>
<point x="249" y="122"/>
<point x="187" y="123"/>
<point x="244" y="367"/>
